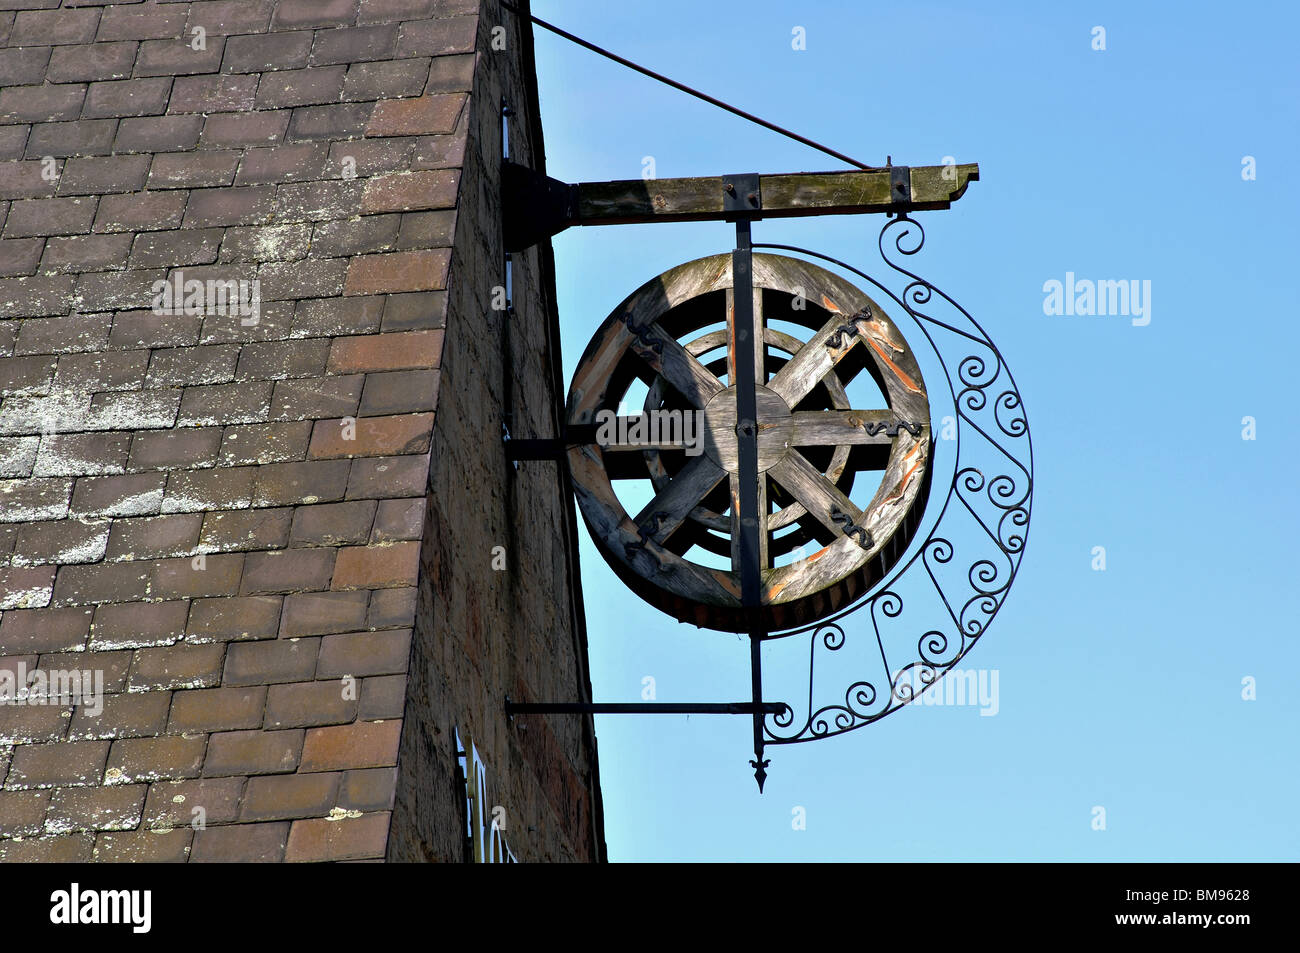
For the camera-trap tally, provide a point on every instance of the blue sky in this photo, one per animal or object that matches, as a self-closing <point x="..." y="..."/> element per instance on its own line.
<point x="1119" y="688"/>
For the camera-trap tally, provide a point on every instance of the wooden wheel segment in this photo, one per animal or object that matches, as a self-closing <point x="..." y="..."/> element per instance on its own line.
<point x="675" y="335"/>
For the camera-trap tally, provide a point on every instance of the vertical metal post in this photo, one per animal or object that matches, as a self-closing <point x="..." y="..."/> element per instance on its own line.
<point x="742" y="273"/>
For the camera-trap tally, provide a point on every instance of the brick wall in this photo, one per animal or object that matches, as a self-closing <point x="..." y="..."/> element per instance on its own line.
<point x="255" y="531"/>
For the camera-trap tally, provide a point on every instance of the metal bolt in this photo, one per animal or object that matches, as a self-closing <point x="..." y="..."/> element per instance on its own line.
<point x="730" y="189"/>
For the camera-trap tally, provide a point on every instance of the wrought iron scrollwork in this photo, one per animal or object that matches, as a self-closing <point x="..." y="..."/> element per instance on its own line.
<point x="947" y="593"/>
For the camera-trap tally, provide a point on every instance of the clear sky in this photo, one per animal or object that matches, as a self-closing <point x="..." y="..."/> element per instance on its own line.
<point x="1121" y="688"/>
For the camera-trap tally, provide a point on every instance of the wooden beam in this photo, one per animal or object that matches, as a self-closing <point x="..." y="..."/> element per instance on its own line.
<point x="783" y="196"/>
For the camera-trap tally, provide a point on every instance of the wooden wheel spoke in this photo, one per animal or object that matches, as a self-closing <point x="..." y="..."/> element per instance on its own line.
<point x="822" y="498"/>
<point x="736" y="533"/>
<point x="815" y="359"/>
<point x="662" y="515"/>
<point x="674" y="363"/>
<point x="837" y="428"/>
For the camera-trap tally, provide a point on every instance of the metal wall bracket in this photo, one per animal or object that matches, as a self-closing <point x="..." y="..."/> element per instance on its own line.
<point x="900" y="184"/>
<point x="534" y="206"/>
<point x="550" y="448"/>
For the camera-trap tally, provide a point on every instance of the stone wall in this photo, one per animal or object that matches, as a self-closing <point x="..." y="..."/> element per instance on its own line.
<point x="253" y="529"/>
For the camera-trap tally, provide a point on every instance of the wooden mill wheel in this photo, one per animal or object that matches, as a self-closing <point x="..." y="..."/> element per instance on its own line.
<point x="674" y="334"/>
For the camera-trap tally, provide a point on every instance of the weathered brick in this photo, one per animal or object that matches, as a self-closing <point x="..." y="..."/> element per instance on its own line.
<point x="69" y="849"/>
<point x="285" y="163"/>
<point x="171" y="846"/>
<point x="50" y="217"/>
<point x="246" y="402"/>
<point x="241" y="843"/>
<point x="33" y="297"/>
<point x="26" y="588"/>
<point x="110" y="667"/>
<point x="116" y="290"/>
<point x="27" y="500"/>
<point x="229" y="17"/>
<point x="353" y="45"/>
<point x="19" y="67"/>
<point x="382" y="697"/>
<point x="140" y="211"/>
<point x="272" y="51"/>
<point x="426" y="229"/>
<point x="284" y="484"/>
<point x="340" y="121"/>
<point x="32" y="723"/>
<point x="192" y="490"/>
<point x="79" y="454"/>
<point x="36" y="27"/>
<point x="373" y="437"/>
<point x="27" y="375"/>
<point x="274" y="360"/>
<point x="232" y="619"/>
<point x="333" y="524"/>
<point x="234" y="206"/>
<point x="300" y="14"/>
<point x="385" y="80"/>
<point x="261" y="243"/>
<point x="101" y="582"/>
<point x="68" y="763"/>
<point x="323" y="613"/>
<point x="319" y="839"/>
<point x="382" y="477"/>
<point x="103" y="61"/>
<point x="275" y="797"/>
<point x="252" y="752"/>
<point x="371" y="156"/>
<point x="173" y="802"/>
<point x="422" y="116"/>
<point x="86" y="137"/>
<point x="154" y="536"/>
<point x="398" y="519"/>
<point x="104" y="809"/>
<point x="407" y="191"/>
<point x="44" y="630"/>
<point x="155" y="759"/>
<point x="452" y="74"/>
<point x="398" y="272"/>
<point x="292" y="570"/>
<point x="440" y="152"/>
<point x="86" y="253"/>
<point x="302" y="87"/>
<point x="323" y="397"/>
<point x="63" y="541"/>
<point x="270" y="661"/>
<point x="212" y="94"/>
<point x="126" y="97"/>
<point x="22" y="813"/>
<point x="313" y="201"/>
<point x="217" y="709"/>
<point x="370" y="789"/>
<point x="82" y="176"/>
<point x="186" y="170"/>
<point x="303" y="279"/>
<point x="143" y="329"/>
<point x="133" y="715"/>
<point x="142" y="23"/>
<point x="307" y="704"/>
<point x="157" y="133"/>
<point x="398" y="392"/>
<point x="245" y="530"/>
<point x="129" y="494"/>
<point x="364" y="653"/>
<point x="133" y="411"/>
<point x="41" y="103"/>
<point x="183" y="447"/>
<point x="215" y="575"/>
<point x="371" y="233"/>
<point x="178" y="58"/>
<point x="175" y="248"/>
<point x="17" y="456"/>
<point x="19" y="256"/>
<point x="138" y="626"/>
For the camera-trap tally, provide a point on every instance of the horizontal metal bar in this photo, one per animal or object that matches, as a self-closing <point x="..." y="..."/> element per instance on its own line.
<point x="549" y="448"/>
<point x="643" y="708"/>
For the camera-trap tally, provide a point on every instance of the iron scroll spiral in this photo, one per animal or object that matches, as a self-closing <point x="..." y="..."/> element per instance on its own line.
<point x="972" y="553"/>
